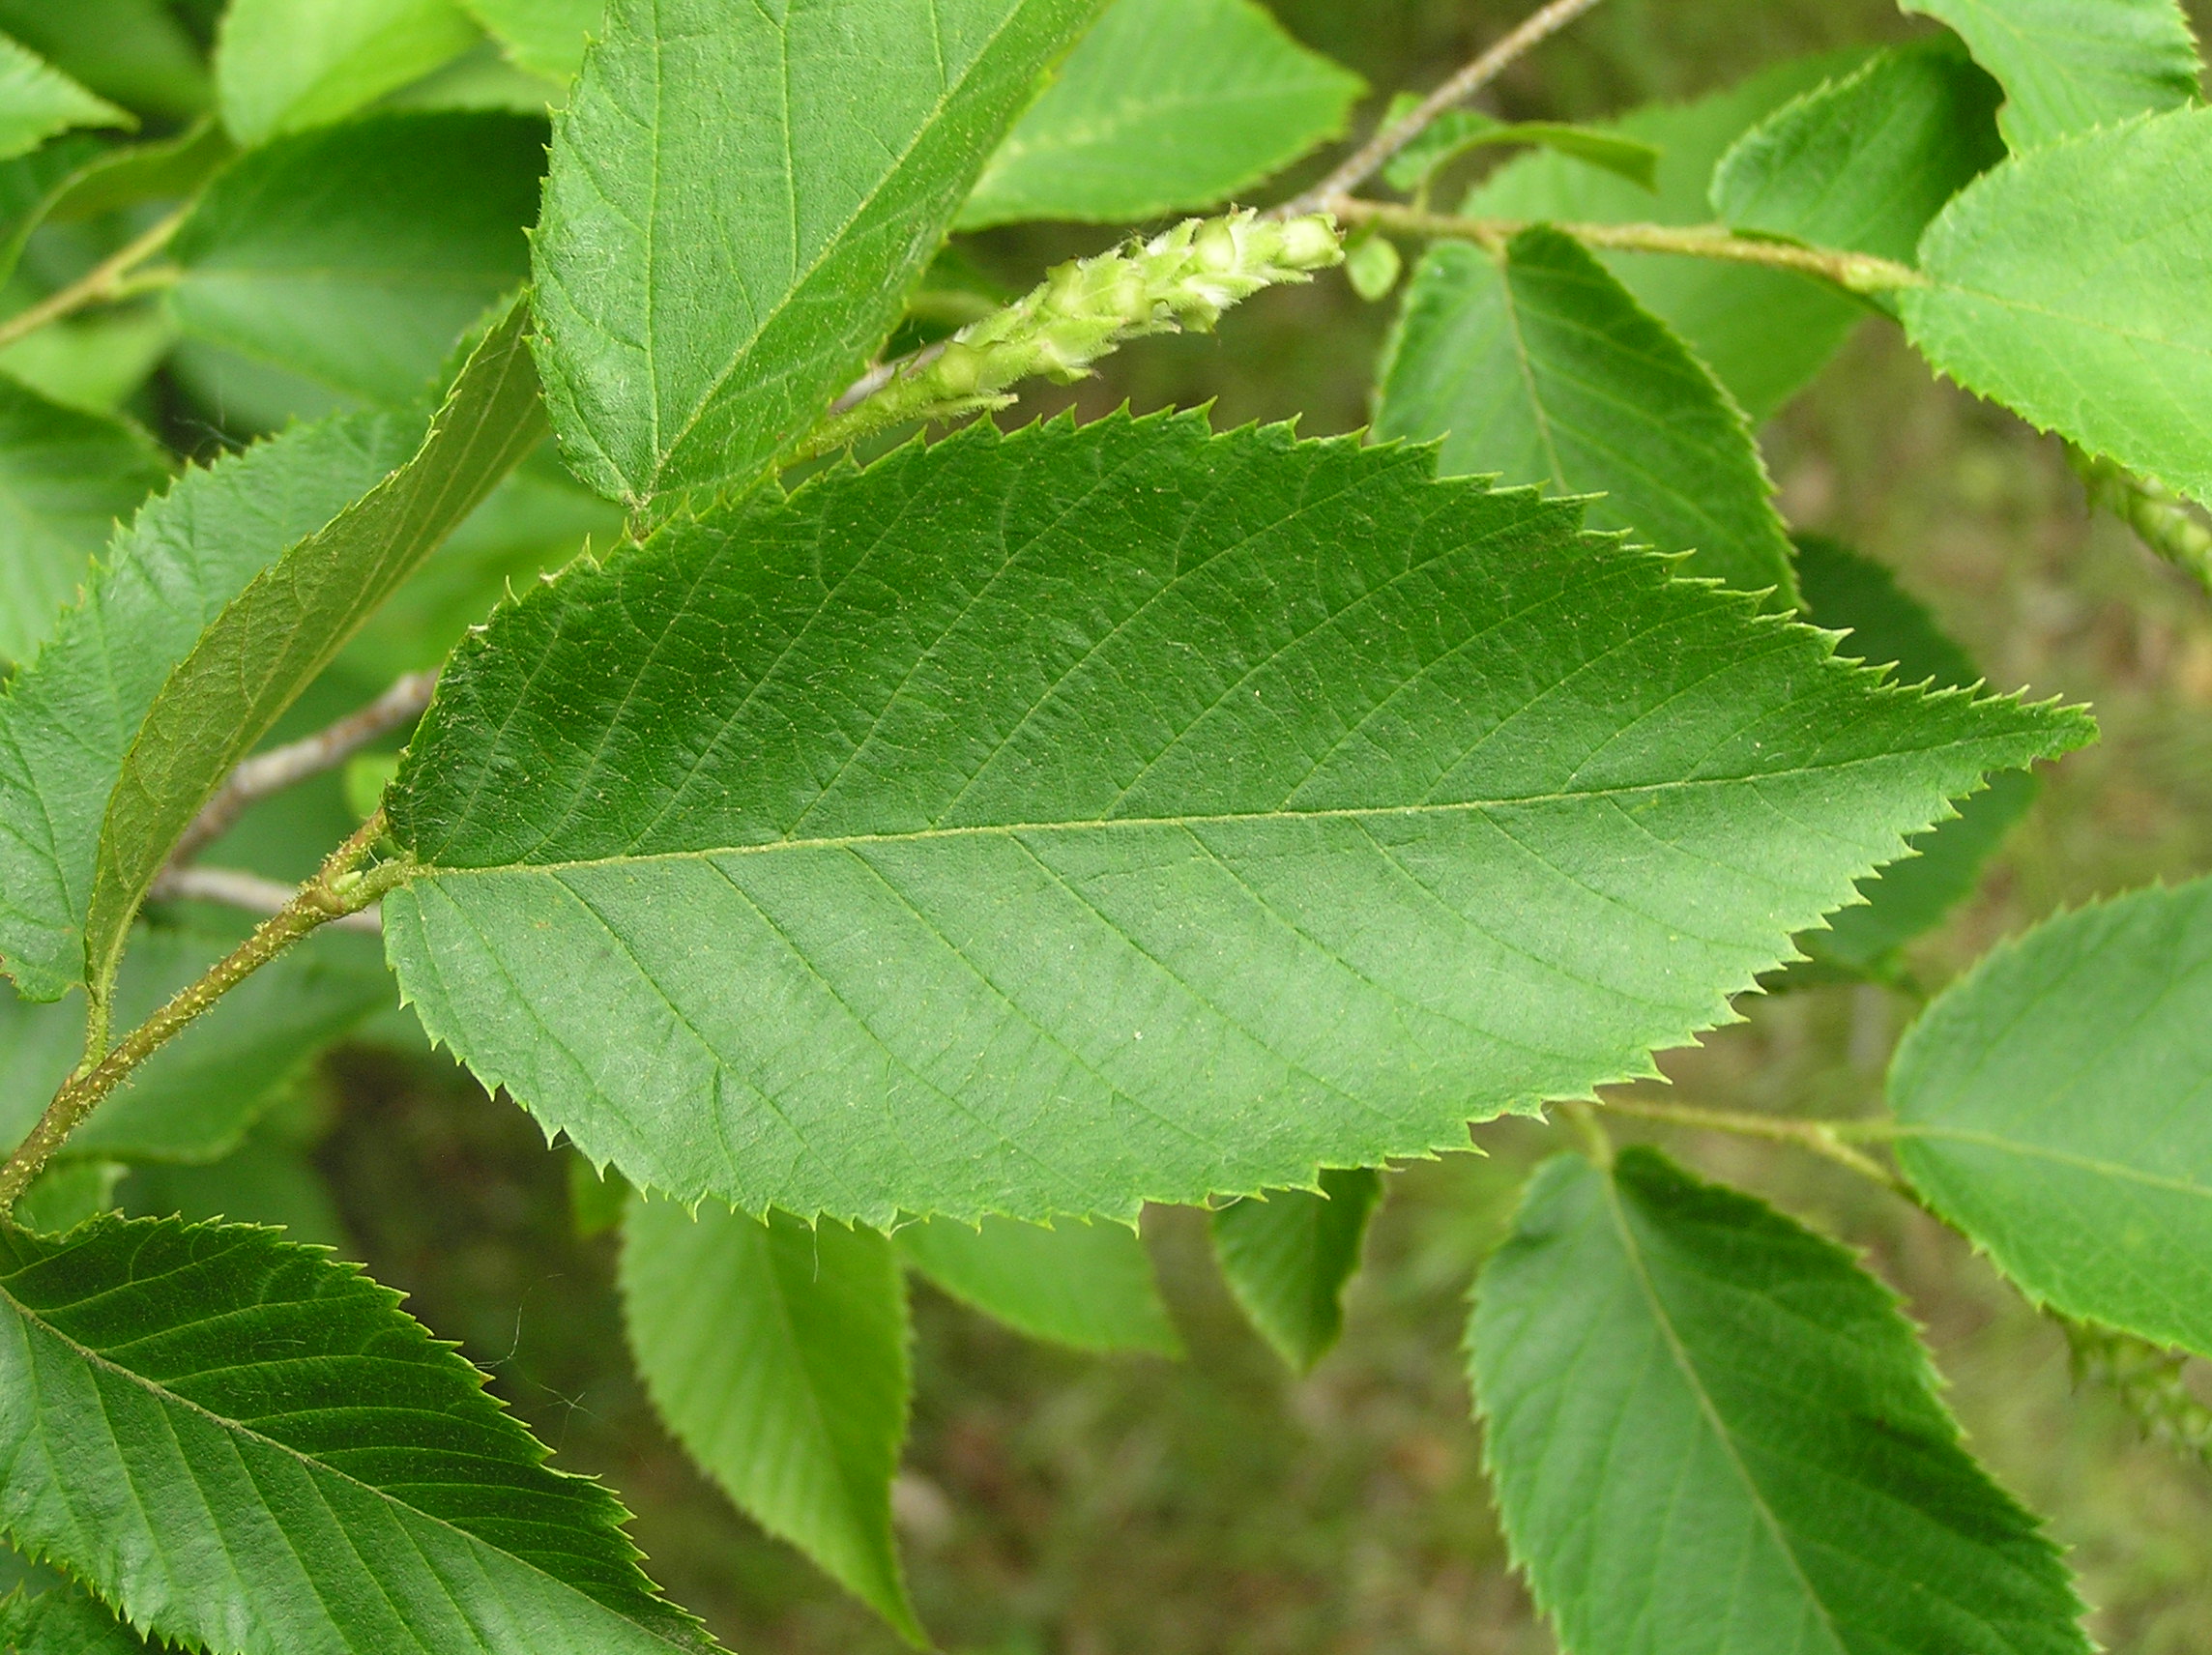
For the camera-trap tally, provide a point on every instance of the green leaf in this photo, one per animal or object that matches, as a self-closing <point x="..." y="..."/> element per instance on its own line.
<point x="546" y="36"/>
<point x="356" y="255"/>
<point x="37" y="101"/>
<point x="93" y="364"/>
<point x="1889" y="627"/>
<point x="1865" y="161"/>
<point x="1541" y="368"/>
<point x="1166" y="106"/>
<point x="1288" y="1257"/>
<point x="1459" y="131"/>
<point x="68" y="717"/>
<point x="1764" y="333"/>
<point x="65" y="476"/>
<point x="1086" y="1284"/>
<point x="2069" y="285"/>
<point x="129" y="175"/>
<point x="820" y="151"/>
<point x="264" y="1181"/>
<point x="195" y="1098"/>
<point x="248" y="1446"/>
<point x="292" y="619"/>
<point x="67" y="1192"/>
<point x="791" y="858"/>
<point x="1710" y="1431"/>
<point x="62" y="1620"/>
<point x="133" y="52"/>
<point x="2053" y="1109"/>
<point x="2068" y="66"/>
<point x="282" y="66"/>
<point x="777" y="1352"/>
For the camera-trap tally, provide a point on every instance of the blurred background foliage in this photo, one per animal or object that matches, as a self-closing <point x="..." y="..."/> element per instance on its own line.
<point x="1057" y="1504"/>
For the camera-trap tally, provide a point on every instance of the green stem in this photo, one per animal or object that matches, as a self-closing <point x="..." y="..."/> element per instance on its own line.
<point x="1858" y="273"/>
<point x="2160" y="518"/>
<point x="338" y="888"/>
<point x="116" y="277"/>
<point x="1825" y="1138"/>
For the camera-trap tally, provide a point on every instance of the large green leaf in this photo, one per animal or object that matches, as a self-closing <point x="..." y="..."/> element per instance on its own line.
<point x="285" y="64"/>
<point x="68" y="717"/>
<point x="1539" y="366"/>
<point x="739" y="196"/>
<point x="292" y="619"/>
<point x="356" y="255"/>
<point x="2069" y="285"/>
<point x="1287" y="1259"/>
<point x="1167" y="106"/>
<point x="197" y="1097"/>
<point x="777" y="1352"/>
<point x="1889" y="626"/>
<point x="134" y="51"/>
<point x="2068" y="65"/>
<point x="65" y="476"/>
<point x="37" y="101"/>
<point x="1712" y="1433"/>
<point x="1865" y="161"/>
<point x="2054" y="1107"/>
<point x="1764" y="333"/>
<point x="1086" y="1284"/>
<point x="250" y="1447"/>
<point x="64" y="1620"/>
<point x="546" y="36"/>
<point x="1042" y="824"/>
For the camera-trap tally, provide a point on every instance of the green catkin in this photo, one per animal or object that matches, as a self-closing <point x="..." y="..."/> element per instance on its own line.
<point x="1182" y="279"/>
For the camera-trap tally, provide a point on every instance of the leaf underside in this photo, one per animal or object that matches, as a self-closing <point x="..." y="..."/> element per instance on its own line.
<point x="1712" y="1433"/>
<point x="250" y="1447"/>
<point x="1044" y="824"/>
<point x="1088" y="1286"/>
<point x="2055" y="1102"/>
<point x="1541" y="368"/>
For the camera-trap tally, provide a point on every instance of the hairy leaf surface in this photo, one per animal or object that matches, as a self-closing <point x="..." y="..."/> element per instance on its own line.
<point x="357" y="255"/>
<point x="285" y="64"/>
<point x="1167" y="106"/>
<point x="1764" y="333"/>
<point x="37" y="101"/>
<point x="1712" y="1433"/>
<point x="248" y="1446"/>
<point x="1287" y="1259"/>
<point x="68" y="717"/>
<point x="1867" y="160"/>
<point x="1889" y="627"/>
<point x="1541" y="368"/>
<point x="1044" y="824"/>
<point x="739" y="196"/>
<point x="197" y="1097"/>
<point x="291" y="620"/>
<point x="2055" y="1102"/>
<point x="777" y="1352"/>
<point x="1086" y="1284"/>
<point x="66" y="477"/>
<point x="2067" y="67"/>
<point x="2069" y="285"/>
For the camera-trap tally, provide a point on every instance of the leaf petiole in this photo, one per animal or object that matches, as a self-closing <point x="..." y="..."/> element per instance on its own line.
<point x="1825" y="1138"/>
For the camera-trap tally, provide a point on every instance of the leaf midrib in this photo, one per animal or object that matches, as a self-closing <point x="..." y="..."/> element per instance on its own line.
<point x="166" y="1397"/>
<point x="1353" y="813"/>
<point x="2114" y="1169"/>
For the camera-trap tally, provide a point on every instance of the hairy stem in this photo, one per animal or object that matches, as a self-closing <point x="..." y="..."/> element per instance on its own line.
<point x="2160" y="517"/>
<point x="1828" y="1138"/>
<point x="1182" y="278"/>
<point x="1858" y="273"/>
<point x="271" y="773"/>
<point x="340" y="887"/>
<point x="116" y="277"/>
<point x="235" y="887"/>
<point x="1373" y="156"/>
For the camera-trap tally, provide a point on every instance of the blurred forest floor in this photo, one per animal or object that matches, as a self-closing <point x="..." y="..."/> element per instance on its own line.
<point x="1061" y="1505"/>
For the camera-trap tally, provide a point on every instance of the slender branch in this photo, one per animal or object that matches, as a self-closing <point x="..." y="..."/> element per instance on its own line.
<point x="1821" y="1137"/>
<point x="265" y="774"/>
<point x="340" y="887"/>
<point x="1860" y="273"/>
<point x="235" y="887"/>
<point x="1373" y="156"/>
<point x="110" y="279"/>
<point x="2160" y="517"/>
